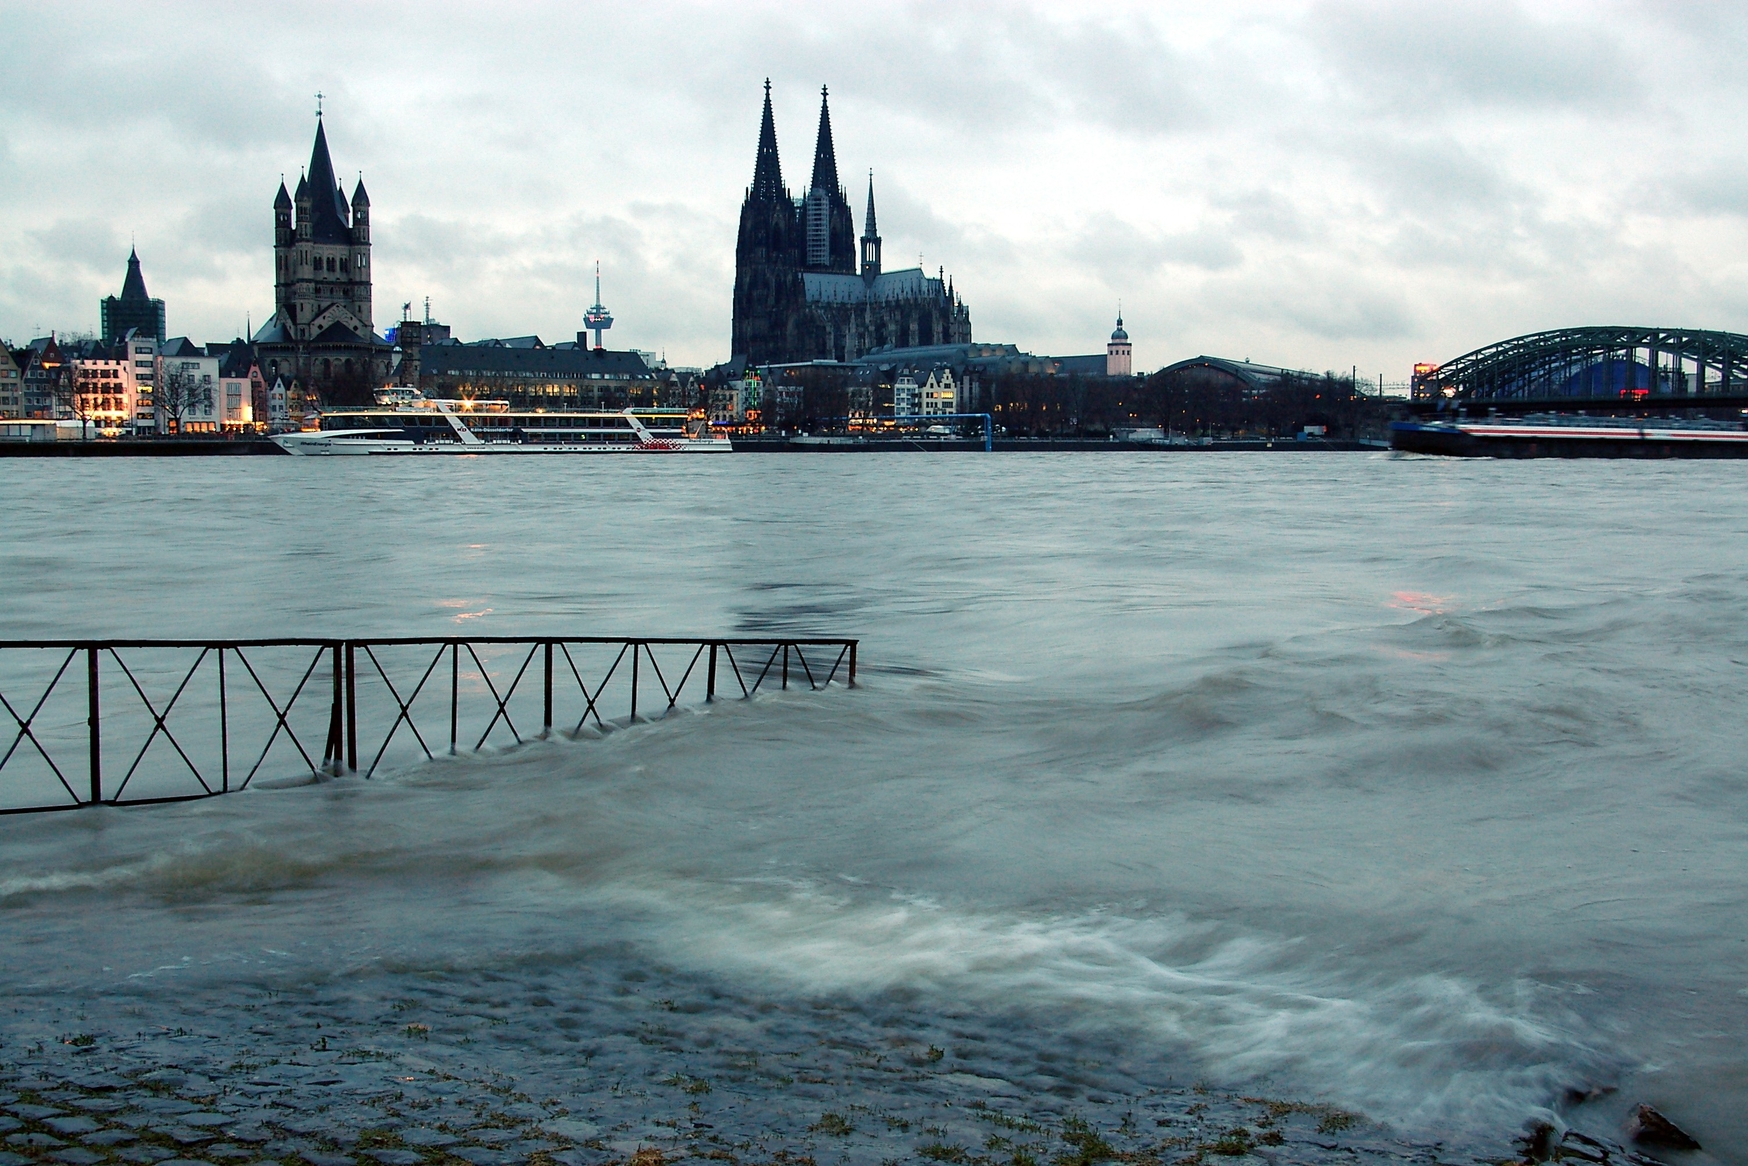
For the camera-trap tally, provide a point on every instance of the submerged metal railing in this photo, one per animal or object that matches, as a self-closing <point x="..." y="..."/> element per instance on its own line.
<point x="175" y="720"/>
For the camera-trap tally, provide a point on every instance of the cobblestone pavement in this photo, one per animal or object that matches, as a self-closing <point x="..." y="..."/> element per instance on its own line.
<point x="612" y="1063"/>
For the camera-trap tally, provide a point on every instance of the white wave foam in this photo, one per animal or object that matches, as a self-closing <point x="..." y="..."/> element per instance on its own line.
<point x="1420" y="1051"/>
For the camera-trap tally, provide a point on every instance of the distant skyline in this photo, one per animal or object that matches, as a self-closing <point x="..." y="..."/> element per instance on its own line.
<point x="1312" y="184"/>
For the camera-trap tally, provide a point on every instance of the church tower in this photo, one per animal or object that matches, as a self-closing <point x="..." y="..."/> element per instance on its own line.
<point x="133" y="308"/>
<point x="830" y="225"/>
<point x="1117" y="352"/>
<point x="768" y="256"/>
<point x="322" y="262"/>
<point x="870" y="239"/>
<point x="322" y="331"/>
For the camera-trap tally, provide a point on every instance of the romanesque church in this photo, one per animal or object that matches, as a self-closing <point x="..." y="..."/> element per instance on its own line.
<point x="798" y="293"/>
<point x="322" y="331"/>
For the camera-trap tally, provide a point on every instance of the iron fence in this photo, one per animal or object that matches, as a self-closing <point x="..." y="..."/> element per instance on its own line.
<point x="175" y="720"/>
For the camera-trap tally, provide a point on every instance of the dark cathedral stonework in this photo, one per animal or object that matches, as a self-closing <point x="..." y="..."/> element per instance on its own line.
<point x="322" y="333"/>
<point x="798" y="295"/>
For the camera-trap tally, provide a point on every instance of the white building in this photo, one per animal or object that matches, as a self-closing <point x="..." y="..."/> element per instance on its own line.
<point x="906" y="398"/>
<point x="105" y="392"/>
<point x="187" y="395"/>
<point x="142" y="358"/>
<point x="939" y="395"/>
<point x="242" y="393"/>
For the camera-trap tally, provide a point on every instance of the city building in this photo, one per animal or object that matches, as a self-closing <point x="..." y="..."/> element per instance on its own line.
<point x="798" y="295"/>
<point x="142" y="357"/>
<point x="1240" y="378"/>
<point x="936" y="394"/>
<point x="410" y="337"/>
<point x="187" y="395"/>
<point x="322" y="330"/>
<point x="11" y="387"/>
<point x="104" y="390"/>
<point x="242" y="390"/>
<point x="133" y="310"/>
<point x="530" y="374"/>
<point x="46" y="382"/>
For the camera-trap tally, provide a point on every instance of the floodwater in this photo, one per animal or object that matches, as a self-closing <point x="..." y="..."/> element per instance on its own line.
<point x="1414" y="786"/>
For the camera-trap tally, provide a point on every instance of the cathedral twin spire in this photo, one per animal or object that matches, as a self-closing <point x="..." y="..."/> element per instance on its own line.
<point x="768" y="169"/>
<point x="825" y="158"/>
<point x="826" y="224"/>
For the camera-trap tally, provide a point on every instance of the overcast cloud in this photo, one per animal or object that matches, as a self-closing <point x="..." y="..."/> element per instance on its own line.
<point x="1316" y="185"/>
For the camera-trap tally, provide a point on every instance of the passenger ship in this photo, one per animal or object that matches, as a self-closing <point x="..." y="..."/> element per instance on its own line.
<point x="415" y="425"/>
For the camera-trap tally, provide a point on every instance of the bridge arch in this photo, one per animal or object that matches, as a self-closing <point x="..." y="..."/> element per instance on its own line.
<point x="1569" y="366"/>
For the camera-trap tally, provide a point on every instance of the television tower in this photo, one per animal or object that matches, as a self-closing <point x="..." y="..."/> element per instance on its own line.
<point x="597" y="319"/>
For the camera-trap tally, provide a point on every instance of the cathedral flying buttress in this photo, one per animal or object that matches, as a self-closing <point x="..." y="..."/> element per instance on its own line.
<point x="798" y="293"/>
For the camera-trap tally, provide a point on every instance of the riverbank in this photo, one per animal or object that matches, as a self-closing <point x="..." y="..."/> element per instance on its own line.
<point x="197" y="447"/>
<point x="166" y="447"/>
<point x="780" y="444"/>
<point x="606" y="1061"/>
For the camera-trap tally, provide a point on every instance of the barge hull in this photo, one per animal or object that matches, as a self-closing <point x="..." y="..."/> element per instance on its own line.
<point x="1505" y="441"/>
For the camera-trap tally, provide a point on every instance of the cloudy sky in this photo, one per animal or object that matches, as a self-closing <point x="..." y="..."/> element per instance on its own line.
<point x="1317" y="185"/>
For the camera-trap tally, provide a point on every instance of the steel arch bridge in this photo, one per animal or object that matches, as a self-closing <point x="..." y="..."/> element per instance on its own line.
<point x="1578" y="367"/>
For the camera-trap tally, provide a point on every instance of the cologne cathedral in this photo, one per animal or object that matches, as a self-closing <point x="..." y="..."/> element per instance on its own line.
<point x="798" y="293"/>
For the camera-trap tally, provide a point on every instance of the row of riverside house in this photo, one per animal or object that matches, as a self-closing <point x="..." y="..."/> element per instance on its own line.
<point x="133" y="382"/>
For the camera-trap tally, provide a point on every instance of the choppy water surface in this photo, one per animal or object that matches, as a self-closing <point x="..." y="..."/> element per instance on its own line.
<point x="1409" y="785"/>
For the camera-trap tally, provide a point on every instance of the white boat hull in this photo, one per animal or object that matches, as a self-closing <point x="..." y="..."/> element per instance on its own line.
<point x="345" y="445"/>
<point x="365" y="442"/>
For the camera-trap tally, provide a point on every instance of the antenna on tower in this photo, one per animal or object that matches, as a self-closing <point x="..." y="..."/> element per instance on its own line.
<point x="597" y="318"/>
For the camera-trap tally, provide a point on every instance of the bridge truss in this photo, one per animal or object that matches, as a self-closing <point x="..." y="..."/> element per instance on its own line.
<point x="1580" y="367"/>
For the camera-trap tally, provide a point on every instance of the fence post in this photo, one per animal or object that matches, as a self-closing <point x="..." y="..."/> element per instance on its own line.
<point x="224" y="730"/>
<point x="331" y="755"/>
<point x="710" y="690"/>
<point x="634" y="654"/>
<point x="547" y="730"/>
<point x="852" y="663"/>
<point x="454" y="688"/>
<point x="94" y="725"/>
<point x="351" y="708"/>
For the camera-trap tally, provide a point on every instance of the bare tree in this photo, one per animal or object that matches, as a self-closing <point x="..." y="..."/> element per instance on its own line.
<point x="73" y="396"/>
<point x="180" y="393"/>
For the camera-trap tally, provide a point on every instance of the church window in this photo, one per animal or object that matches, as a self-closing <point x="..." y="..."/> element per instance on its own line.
<point x="330" y="264"/>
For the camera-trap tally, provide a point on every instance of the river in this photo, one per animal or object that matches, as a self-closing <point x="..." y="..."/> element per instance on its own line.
<point x="1411" y="786"/>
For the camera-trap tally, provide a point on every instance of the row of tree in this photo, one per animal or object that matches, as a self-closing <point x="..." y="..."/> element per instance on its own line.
<point x="1185" y="403"/>
<point x="1189" y="402"/>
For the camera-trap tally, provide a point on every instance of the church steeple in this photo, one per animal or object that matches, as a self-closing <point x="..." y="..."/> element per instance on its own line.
<point x="328" y="209"/>
<point x="768" y="169"/>
<point x="133" y="288"/>
<point x="828" y="223"/>
<point x="870" y="238"/>
<point x="825" y="158"/>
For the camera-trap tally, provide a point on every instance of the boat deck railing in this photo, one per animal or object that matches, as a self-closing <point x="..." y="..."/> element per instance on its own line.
<point x="134" y="722"/>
